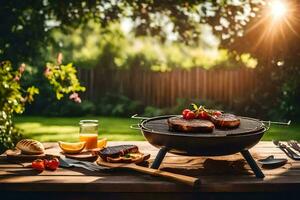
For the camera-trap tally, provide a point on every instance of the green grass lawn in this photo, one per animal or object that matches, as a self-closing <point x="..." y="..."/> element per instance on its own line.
<point x="66" y="129"/>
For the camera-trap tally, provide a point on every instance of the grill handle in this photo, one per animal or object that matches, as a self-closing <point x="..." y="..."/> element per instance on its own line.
<point x="278" y="123"/>
<point x="267" y="124"/>
<point x="135" y="116"/>
<point x="135" y="126"/>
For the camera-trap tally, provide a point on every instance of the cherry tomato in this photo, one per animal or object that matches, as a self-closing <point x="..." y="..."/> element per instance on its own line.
<point x="185" y="112"/>
<point x="190" y="115"/>
<point x="217" y="113"/>
<point x="203" y="115"/>
<point x="45" y="162"/>
<point x="38" y="164"/>
<point x="52" y="164"/>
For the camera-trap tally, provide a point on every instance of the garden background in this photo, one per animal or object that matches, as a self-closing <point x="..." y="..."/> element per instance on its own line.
<point x="153" y="58"/>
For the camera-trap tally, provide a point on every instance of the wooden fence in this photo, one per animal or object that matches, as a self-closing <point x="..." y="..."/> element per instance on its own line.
<point x="161" y="89"/>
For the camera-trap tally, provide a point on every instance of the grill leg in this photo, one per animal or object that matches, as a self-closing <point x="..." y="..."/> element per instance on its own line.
<point x="159" y="158"/>
<point x="257" y="171"/>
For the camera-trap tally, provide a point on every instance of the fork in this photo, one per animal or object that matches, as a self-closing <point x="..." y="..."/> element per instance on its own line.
<point x="287" y="150"/>
<point x="294" y="144"/>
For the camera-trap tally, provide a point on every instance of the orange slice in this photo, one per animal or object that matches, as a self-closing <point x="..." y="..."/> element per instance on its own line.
<point x="71" y="147"/>
<point x="102" y="143"/>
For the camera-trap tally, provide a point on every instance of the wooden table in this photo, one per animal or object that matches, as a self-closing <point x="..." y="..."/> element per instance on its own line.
<point x="226" y="176"/>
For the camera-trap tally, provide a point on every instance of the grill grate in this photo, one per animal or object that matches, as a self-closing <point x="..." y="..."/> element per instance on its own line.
<point x="247" y="126"/>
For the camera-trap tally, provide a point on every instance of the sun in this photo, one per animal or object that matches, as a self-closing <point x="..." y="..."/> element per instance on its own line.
<point x="278" y="9"/>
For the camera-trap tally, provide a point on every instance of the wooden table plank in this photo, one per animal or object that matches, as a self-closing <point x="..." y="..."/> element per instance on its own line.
<point x="218" y="174"/>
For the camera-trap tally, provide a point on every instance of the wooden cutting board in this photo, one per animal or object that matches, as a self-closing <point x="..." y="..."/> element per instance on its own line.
<point x="15" y="155"/>
<point x="90" y="156"/>
<point x="192" y="181"/>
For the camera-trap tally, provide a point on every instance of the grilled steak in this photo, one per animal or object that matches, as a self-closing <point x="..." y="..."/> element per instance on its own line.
<point x="117" y="151"/>
<point x="226" y="121"/>
<point x="190" y="126"/>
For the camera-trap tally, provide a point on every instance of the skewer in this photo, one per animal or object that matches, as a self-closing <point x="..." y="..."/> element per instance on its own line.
<point x="135" y="116"/>
<point x="278" y="123"/>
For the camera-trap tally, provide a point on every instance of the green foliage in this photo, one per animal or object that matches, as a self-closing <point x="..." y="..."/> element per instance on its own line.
<point x="277" y="96"/>
<point x="117" y="105"/>
<point x="9" y="134"/>
<point x="68" y="108"/>
<point x="107" y="105"/>
<point x="26" y="26"/>
<point x="26" y="30"/>
<point x="12" y="100"/>
<point x="275" y="45"/>
<point x="92" y="46"/>
<point x="13" y="97"/>
<point x="63" y="78"/>
<point x="151" y="111"/>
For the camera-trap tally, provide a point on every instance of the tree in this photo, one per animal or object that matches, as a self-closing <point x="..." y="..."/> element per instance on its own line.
<point x="25" y="29"/>
<point x="274" y="40"/>
<point x="25" y="26"/>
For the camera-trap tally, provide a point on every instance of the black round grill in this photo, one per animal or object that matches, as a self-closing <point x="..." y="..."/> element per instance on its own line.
<point x="218" y="143"/>
<point x="247" y="126"/>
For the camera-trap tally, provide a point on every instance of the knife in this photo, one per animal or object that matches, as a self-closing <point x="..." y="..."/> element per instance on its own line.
<point x="64" y="164"/>
<point x="67" y="164"/>
<point x="88" y="164"/>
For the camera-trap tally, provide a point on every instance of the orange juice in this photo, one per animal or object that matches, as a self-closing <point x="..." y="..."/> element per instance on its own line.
<point x="88" y="133"/>
<point x="89" y="139"/>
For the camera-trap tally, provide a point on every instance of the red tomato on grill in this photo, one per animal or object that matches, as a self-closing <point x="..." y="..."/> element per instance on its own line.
<point x="185" y="112"/>
<point x="203" y="115"/>
<point x="190" y="115"/>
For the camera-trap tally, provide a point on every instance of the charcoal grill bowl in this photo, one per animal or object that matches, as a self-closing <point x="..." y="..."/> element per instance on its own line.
<point x="218" y="143"/>
<point x="203" y="146"/>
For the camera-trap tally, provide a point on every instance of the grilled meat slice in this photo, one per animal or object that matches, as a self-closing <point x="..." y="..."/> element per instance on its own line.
<point x="190" y="126"/>
<point x="117" y="151"/>
<point x="225" y="121"/>
<point x="129" y="158"/>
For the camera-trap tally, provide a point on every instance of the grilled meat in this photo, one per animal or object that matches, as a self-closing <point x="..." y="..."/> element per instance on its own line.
<point x="190" y="126"/>
<point x="117" y="151"/>
<point x="129" y="158"/>
<point x="226" y="121"/>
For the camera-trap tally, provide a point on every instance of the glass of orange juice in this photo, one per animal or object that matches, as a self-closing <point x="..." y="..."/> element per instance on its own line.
<point x="88" y="133"/>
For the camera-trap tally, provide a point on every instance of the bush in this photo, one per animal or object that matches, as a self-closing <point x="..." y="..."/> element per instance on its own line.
<point x="14" y="95"/>
<point x="108" y="105"/>
<point x="151" y="111"/>
<point x="118" y="105"/>
<point x="9" y="135"/>
<point x="69" y="109"/>
<point x="12" y="100"/>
